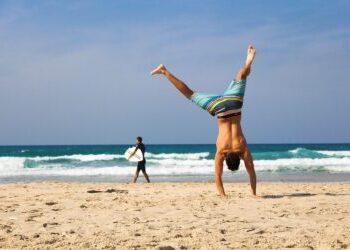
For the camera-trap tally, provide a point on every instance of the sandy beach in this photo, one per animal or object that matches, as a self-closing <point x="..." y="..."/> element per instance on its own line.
<point x="174" y="216"/>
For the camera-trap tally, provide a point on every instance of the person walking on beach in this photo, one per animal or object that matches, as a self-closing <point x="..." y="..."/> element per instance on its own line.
<point x="141" y="165"/>
<point x="231" y="145"/>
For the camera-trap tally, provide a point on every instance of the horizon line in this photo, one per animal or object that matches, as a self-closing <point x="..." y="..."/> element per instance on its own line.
<point x="155" y="144"/>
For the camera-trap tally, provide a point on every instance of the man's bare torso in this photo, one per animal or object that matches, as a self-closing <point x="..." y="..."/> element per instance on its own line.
<point x="230" y="136"/>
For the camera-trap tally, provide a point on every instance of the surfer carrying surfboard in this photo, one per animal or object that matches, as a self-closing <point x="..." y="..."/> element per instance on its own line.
<point x="141" y="165"/>
<point x="231" y="145"/>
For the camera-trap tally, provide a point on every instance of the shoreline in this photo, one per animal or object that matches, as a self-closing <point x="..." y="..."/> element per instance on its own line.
<point x="129" y="181"/>
<point x="227" y="177"/>
<point x="175" y="215"/>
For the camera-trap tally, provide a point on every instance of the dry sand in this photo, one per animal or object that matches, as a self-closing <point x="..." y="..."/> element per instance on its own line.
<point x="174" y="216"/>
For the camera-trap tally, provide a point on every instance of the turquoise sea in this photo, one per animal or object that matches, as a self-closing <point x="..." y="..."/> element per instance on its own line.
<point x="273" y="162"/>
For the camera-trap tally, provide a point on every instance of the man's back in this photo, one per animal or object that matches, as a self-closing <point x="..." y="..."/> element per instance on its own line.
<point x="230" y="136"/>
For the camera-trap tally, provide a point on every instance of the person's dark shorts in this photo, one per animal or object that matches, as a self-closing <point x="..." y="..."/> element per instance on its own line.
<point x="141" y="165"/>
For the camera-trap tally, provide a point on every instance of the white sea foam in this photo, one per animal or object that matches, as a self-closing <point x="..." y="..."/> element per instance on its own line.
<point x="176" y="162"/>
<point x="295" y="151"/>
<point x="80" y="157"/>
<point x="106" y="157"/>
<point x="335" y="153"/>
<point x="14" y="166"/>
<point x="161" y="164"/>
<point x="193" y="156"/>
<point x="304" y="164"/>
<point x="324" y="152"/>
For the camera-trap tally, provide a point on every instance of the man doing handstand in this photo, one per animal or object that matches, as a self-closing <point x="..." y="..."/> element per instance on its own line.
<point x="231" y="144"/>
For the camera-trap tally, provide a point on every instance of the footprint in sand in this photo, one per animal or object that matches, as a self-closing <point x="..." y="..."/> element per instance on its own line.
<point x="166" y="248"/>
<point x="50" y="203"/>
<point x="21" y="236"/>
<point x="256" y="232"/>
<point x="50" y="241"/>
<point x="6" y="228"/>
<point x="33" y="216"/>
<point x="32" y="211"/>
<point x="290" y="246"/>
<point x="260" y="232"/>
<point x="50" y="224"/>
<point x="70" y="231"/>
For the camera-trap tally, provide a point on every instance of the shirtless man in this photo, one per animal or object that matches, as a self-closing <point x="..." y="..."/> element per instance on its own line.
<point x="231" y="144"/>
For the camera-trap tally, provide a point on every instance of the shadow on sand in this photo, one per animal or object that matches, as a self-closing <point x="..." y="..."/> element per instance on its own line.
<point x="287" y="195"/>
<point x="111" y="190"/>
<point x="278" y="196"/>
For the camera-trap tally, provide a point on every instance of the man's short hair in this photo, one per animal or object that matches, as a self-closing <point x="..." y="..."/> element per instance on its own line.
<point x="232" y="161"/>
<point x="139" y="138"/>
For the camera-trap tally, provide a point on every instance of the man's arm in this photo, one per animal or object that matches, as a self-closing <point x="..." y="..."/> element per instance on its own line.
<point x="219" y="163"/>
<point x="249" y="165"/>
<point x="133" y="152"/>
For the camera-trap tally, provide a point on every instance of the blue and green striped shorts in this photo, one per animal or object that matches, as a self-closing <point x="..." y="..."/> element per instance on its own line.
<point x="223" y="106"/>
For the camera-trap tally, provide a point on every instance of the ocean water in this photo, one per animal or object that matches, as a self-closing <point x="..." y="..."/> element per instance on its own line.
<point x="273" y="162"/>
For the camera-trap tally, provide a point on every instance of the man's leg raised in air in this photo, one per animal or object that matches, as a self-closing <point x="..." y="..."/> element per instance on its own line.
<point x="245" y="70"/>
<point x="180" y="85"/>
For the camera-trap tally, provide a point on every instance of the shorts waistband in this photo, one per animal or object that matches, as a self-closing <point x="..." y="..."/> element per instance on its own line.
<point x="228" y="113"/>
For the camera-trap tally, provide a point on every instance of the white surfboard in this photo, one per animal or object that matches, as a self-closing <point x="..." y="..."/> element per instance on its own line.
<point x="136" y="157"/>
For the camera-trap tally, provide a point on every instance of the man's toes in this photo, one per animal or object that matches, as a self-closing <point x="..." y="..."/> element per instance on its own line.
<point x="158" y="70"/>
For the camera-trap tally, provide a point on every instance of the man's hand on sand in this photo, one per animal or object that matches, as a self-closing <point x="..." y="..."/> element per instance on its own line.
<point x="223" y="196"/>
<point x="256" y="196"/>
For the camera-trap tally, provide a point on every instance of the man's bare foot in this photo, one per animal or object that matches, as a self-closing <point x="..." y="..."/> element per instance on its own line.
<point x="250" y="55"/>
<point x="256" y="196"/>
<point x="159" y="70"/>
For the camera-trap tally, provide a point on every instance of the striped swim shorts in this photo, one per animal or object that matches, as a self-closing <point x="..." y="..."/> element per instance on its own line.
<point x="223" y="106"/>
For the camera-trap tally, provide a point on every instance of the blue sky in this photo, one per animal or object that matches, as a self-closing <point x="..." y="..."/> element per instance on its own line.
<point x="77" y="72"/>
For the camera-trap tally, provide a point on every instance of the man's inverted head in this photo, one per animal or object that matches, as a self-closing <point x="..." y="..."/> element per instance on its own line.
<point x="232" y="161"/>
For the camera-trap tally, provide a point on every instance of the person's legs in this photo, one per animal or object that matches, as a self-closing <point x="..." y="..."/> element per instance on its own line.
<point x="136" y="175"/>
<point x="181" y="86"/>
<point x="244" y="72"/>
<point x="146" y="175"/>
